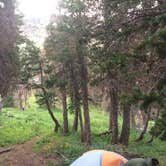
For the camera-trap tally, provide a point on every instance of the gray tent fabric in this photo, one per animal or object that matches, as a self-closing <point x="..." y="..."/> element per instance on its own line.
<point x="142" y="162"/>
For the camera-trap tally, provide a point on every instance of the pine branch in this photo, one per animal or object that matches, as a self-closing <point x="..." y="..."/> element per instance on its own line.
<point x="143" y="13"/>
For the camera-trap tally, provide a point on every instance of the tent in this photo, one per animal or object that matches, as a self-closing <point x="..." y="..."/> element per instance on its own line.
<point x="100" y="158"/>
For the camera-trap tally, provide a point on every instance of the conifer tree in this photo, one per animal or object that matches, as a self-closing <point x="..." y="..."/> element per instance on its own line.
<point x="8" y="51"/>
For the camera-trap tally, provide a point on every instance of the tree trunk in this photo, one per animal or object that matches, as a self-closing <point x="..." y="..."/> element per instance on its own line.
<point x="110" y="119"/>
<point x="78" y="115"/>
<point x="76" y="100"/>
<point x="2" y="102"/>
<point x="145" y="127"/>
<point x="26" y="98"/>
<point x="65" y="112"/>
<point x="144" y="118"/>
<point x="132" y="118"/>
<point x="107" y="9"/>
<point x="84" y="88"/>
<point x="75" y="94"/>
<point x="124" y="138"/>
<point x="114" y="114"/>
<point x="87" y="131"/>
<point x="20" y="100"/>
<point x="75" y="123"/>
<point x="57" y="125"/>
<point x="81" y="126"/>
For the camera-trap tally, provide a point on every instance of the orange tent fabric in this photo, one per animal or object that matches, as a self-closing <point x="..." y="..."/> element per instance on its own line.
<point x="100" y="158"/>
<point x="111" y="158"/>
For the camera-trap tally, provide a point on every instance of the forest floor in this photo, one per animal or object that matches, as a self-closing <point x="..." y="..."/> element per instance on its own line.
<point x="20" y="155"/>
<point x="30" y="135"/>
<point x="24" y="155"/>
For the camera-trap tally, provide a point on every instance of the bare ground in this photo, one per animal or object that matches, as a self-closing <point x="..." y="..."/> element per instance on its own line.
<point x="23" y="155"/>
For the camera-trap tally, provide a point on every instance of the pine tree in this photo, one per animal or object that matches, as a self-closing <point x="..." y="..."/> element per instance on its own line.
<point x="8" y="52"/>
<point x="33" y="75"/>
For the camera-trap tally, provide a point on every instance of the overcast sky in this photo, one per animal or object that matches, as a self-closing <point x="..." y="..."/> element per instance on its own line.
<point x="38" y="8"/>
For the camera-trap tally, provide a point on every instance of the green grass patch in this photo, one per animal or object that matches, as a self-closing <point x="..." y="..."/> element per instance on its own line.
<point x="19" y="126"/>
<point x="71" y="147"/>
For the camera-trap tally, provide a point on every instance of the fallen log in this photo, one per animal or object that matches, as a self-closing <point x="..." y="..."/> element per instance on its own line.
<point x="129" y="155"/>
<point x="64" y="157"/>
<point x="150" y="141"/>
<point x="104" y="133"/>
<point x="6" y="150"/>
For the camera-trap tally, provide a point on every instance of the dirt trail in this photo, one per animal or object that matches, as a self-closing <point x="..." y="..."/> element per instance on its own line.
<point x="22" y="155"/>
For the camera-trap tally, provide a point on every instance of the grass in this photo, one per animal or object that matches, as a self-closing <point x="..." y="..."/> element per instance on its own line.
<point x="71" y="147"/>
<point x="19" y="126"/>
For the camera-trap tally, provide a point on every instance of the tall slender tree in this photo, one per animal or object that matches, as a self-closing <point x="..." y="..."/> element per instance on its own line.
<point x="32" y="74"/>
<point x="8" y="54"/>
